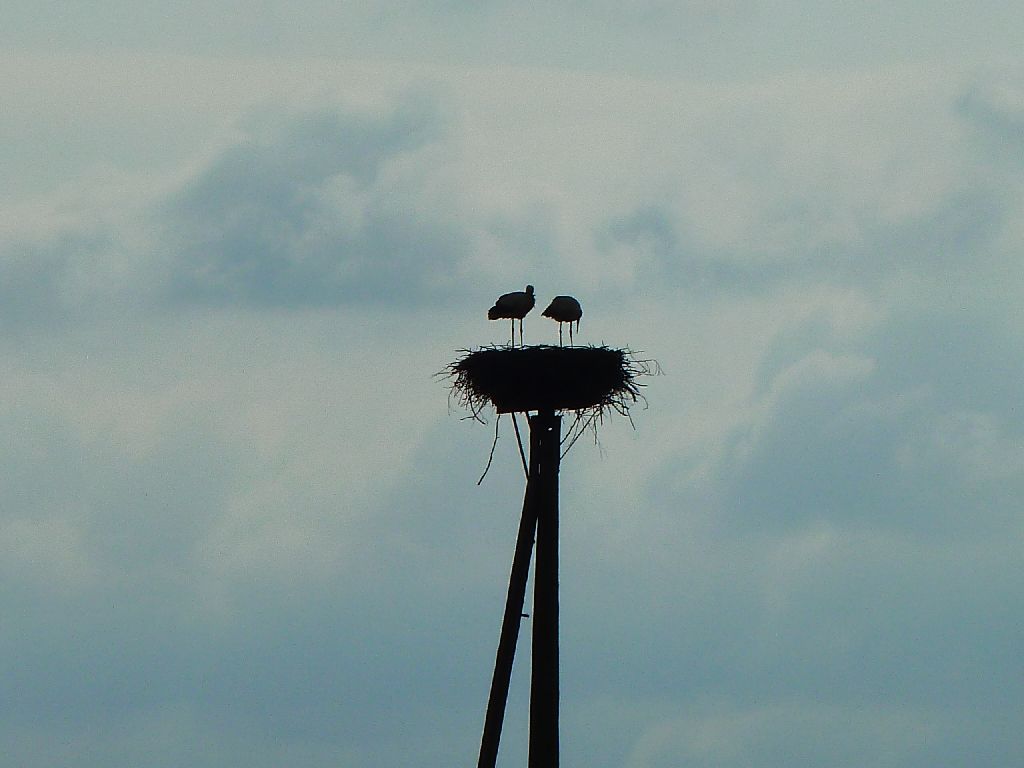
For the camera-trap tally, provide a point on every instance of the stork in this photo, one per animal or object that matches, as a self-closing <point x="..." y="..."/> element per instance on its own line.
<point x="513" y="306"/>
<point x="564" y="309"/>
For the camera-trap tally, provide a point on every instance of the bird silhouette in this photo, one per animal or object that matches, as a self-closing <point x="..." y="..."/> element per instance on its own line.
<point x="513" y="306"/>
<point x="564" y="309"/>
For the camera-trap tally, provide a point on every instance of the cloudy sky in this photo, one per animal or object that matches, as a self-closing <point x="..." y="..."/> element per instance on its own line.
<point x="239" y="519"/>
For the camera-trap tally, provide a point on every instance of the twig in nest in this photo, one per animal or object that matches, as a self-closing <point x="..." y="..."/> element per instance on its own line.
<point x="579" y="432"/>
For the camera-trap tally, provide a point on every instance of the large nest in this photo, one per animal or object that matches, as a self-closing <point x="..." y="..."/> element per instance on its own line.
<point x="546" y="378"/>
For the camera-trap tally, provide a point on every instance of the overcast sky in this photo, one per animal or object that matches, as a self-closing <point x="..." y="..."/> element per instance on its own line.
<point x="239" y="519"/>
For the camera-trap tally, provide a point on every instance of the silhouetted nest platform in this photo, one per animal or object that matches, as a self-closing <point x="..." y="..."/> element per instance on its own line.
<point x="546" y="378"/>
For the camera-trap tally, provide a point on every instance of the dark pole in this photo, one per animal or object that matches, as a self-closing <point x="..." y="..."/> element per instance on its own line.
<point x="545" y="436"/>
<point x="511" y="621"/>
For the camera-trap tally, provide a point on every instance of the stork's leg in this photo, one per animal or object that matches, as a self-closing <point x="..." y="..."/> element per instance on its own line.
<point x="560" y="332"/>
<point x="512" y="340"/>
<point x="520" y="332"/>
<point x="570" y="333"/>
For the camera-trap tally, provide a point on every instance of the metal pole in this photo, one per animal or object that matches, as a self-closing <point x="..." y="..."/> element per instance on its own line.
<point x="545" y="434"/>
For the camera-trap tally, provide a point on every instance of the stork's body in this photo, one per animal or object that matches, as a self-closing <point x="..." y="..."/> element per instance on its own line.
<point x="564" y="309"/>
<point x="513" y="306"/>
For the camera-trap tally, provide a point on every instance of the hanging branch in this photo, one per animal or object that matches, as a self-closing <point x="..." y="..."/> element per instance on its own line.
<point x="493" y="446"/>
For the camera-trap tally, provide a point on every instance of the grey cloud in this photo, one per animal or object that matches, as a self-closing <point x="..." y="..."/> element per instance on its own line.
<point x="695" y="36"/>
<point x="957" y="235"/>
<point x="394" y="646"/>
<point x="103" y="614"/>
<point x="841" y="432"/>
<point x="747" y="211"/>
<point x="322" y="208"/>
<point x="142" y="512"/>
<point x="812" y="733"/>
<point x="851" y="541"/>
<point x="46" y="279"/>
<point x="654" y="238"/>
<point x="300" y="214"/>
<point x="997" y="114"/>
